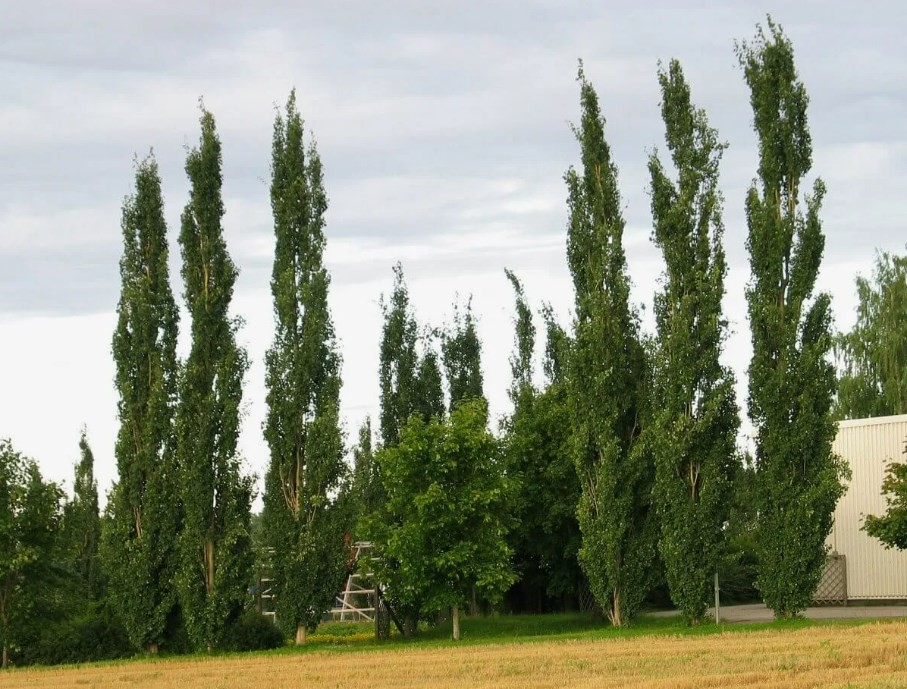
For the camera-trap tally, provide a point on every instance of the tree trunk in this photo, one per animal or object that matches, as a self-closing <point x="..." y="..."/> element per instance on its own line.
<point x="302" y="633"/>
<point x="152" y="648"/>
<point x="473" y="603"/>
<point x="410" y="624"/>
<point x="5" y="663"/>
<point x="455" y="619"/>
<point x="616" y="618"/>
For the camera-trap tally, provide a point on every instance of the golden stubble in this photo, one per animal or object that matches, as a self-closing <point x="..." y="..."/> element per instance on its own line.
<point x="868" y="656"/>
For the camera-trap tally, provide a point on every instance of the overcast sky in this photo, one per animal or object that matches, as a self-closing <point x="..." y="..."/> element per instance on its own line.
<point x="444" y="132"/>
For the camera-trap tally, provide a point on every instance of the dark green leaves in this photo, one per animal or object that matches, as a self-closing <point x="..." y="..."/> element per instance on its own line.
<point x="304" y="523"/>
<point x="695" y="423"/>
<point x="215" y="543"/>
<point x="791" y="381"/>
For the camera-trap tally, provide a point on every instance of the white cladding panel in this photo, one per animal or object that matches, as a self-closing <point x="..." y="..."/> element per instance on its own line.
<point x="868" y="446"/>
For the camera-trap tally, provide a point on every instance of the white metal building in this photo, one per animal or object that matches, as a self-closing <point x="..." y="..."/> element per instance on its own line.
<point x="868" y="446"/>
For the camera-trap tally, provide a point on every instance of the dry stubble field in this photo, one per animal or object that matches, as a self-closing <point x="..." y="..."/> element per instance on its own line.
<point x="866" y="656"/>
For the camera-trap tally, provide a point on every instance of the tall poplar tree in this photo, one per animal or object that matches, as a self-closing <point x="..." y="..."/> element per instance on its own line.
<point x="791" y="381"/>
<point x="303" y="521"/>
<point x="139" y="544"/>
<point x="216" y="545"/>
<point x="461" y="352"/>
<point x="398" y="371"/>
<point x="82" y="524"/>
<point x="545" y="539"/>
<point x="607" y="382"/>
<point x="695" y="424"/>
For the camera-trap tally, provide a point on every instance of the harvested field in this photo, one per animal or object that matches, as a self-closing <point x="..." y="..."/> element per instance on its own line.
<point x="868" y="656"/>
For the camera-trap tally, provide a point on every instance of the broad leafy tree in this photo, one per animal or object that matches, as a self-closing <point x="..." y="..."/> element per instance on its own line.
<point x="304" y="523"/>
<point x="29" y="520"/>
<point x="139" y="543"/>
<point x="445" y="521"/>
<point x="215" y="543"/>
<point x="891" y="527"/>
<point x="82" y="525"/>
<point x="791" y="380"/>
<point x="607" y="382"/>
<point x="873" y="355"/>
<point x="695" y="423"/>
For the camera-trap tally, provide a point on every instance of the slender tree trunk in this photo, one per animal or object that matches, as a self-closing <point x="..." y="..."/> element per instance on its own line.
<point x="302" y="633"/>
<point x="473" y="603"/>
<point x="5" y="663"/>
<point x="455" y="619"/>
<point x="153" y="648"/>
<point x="616" y="620"/>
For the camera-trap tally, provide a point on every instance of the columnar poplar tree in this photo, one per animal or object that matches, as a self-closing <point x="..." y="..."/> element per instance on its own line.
<point x="546" y="538"/>
<point x="607" y="383"/>
<point x="139" y="544"/>
<point x="216" y="546"/>
<point x="368" y="493"/>
<point x="303" y="522"/>
<point x="82" y="524"/>
<point x="695" y="424"/>
<point x="461" y="352"/>
<point x="791" y="381"/>
<point x="399" y="362"/>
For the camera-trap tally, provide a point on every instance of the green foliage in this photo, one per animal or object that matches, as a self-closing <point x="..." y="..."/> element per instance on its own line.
<point x="29" y="519"/>
<point x="399" y="362"/>
<point x="695" y="425"/>
<point x="791" y="381"/>
<point x="442" y="530"/>
<point x="429" y="390"/>
<point x="536" y="446"/>
<point x="368" y="492"/>
<point x="215" y="543"/>
<point x="96" y="634"/>
<point x="462" y="355"/>
<point x="82" y="526"/>
<point x="607" y="383"/>
<point x="252" y="631"/>
<point x="891" y="527"/>
<point x="138" y="546"/>
<point x="304" y="523"/>
<point x="873" y="355"/>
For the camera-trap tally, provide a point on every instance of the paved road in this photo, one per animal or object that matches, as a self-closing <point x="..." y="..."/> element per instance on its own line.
<point x="760" y="613"/>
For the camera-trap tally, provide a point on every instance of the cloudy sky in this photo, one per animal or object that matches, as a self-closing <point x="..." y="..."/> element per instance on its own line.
<point x="444" y="131"/>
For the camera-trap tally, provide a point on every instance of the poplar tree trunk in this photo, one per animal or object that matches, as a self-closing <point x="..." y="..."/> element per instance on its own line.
<point x="5" y="663"/>
<point x="455" y="618"/>
<point x="302" y="633"/>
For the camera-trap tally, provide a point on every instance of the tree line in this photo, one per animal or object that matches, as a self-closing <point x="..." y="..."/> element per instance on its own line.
<point x="618" y="473"/>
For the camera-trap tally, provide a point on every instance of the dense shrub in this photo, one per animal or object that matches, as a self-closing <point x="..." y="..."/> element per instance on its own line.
<point x="96" y="635"/>
<point x="252" y="631"/>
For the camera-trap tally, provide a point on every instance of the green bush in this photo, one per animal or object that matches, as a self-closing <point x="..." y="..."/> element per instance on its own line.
<point x="96" y="635"/>
<point x="252" y="631"/>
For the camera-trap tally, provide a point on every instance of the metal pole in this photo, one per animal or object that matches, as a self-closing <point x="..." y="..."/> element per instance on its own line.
<point x="717" y="601"/>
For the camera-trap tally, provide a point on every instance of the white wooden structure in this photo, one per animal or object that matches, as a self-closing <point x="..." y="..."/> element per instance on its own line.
<point x="356" y="603"/>
<point x="868" y="446"/>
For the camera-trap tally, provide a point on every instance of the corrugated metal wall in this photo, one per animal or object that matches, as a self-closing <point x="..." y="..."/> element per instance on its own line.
<point x="868" y="446"/>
